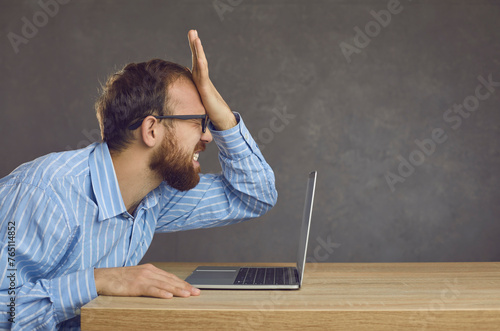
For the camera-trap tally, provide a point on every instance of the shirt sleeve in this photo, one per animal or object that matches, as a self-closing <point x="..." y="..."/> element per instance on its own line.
<point x="40" y="287"/>
<point x="245" y="189"/>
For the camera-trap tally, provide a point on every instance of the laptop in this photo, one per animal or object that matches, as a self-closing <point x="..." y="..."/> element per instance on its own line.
<point x="255" y="278"/>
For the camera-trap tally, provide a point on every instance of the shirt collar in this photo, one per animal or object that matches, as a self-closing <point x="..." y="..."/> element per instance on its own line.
<point x="153" y="198"/>
<point x="104" y="183"/>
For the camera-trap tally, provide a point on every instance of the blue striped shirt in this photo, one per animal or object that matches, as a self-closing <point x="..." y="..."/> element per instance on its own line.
<point x="62" y="215"/>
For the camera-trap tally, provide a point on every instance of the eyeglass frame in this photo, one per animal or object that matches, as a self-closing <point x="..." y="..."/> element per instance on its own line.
<point x="204" y="120"/>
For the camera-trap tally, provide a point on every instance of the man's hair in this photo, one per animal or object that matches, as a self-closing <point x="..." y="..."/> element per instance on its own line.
<point x="133" y="93"/>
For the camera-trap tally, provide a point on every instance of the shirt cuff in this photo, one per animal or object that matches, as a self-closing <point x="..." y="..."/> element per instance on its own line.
<point x="235" y="143"/>
<point x="73" y="291"/>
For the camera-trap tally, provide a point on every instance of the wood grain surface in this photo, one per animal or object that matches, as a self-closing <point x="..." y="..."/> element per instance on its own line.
<point x="341" y="296"/>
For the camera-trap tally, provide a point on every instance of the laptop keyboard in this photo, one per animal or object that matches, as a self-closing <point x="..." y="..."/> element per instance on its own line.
<point x="267" y="276"/>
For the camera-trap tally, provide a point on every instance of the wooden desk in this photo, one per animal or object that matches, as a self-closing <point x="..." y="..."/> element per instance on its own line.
<point x="334" y="296"/>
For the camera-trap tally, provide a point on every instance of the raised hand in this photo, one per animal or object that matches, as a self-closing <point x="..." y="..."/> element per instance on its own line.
<point x="219" y="112"/>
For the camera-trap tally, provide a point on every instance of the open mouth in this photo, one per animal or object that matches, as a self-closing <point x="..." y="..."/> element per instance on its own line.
<point x="200" y="147"/>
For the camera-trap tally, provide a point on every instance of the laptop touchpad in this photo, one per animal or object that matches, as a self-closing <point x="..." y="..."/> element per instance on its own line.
<point x="213" y="275"/>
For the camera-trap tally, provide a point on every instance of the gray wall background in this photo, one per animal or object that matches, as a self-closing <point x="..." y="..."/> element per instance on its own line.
<point x="351" y="121"/>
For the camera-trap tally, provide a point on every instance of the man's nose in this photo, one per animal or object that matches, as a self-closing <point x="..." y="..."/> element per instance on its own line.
<point x="207" y="136"/>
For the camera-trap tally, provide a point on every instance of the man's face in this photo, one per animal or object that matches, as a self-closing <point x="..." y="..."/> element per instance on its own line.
<point x="176" y="159"/>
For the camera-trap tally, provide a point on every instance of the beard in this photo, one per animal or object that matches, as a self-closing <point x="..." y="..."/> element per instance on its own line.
<point x="175" y="166"/>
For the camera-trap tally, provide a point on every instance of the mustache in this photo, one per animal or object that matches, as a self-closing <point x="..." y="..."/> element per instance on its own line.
<point x="200" y="146"/>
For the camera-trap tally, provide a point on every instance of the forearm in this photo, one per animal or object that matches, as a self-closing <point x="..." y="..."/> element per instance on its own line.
<point x="245" y="170"/>
<point x="224" y="118"/>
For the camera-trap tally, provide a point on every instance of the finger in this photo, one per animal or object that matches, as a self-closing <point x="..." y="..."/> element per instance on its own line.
<point x="155" y="285"/>
<point x="156" y="292"/>
<point x="183" y="285"/>
<point x="160" y="275"/>
<point x="200" y="52"/>
<point x="192" y="35"/>
<point x="172" y="288"/>
<point x="200" y="74"/>
<point x="156" y="282"/>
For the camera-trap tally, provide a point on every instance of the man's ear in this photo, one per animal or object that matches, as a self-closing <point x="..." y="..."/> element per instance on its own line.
<point x="150" y="131"/>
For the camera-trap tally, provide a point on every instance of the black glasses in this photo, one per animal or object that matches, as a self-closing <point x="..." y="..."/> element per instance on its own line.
<point x="204" y="120"/>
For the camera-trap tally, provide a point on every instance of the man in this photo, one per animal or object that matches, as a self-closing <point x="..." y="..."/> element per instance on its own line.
<point x="76" y="224"/>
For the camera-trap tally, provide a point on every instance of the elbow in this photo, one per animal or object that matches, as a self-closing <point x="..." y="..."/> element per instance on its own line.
<point x="269" y="202"/>
<point x="274" y="198"/>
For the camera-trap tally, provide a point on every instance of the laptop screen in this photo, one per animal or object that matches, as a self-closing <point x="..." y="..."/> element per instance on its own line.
<point x="306" y="224"/>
